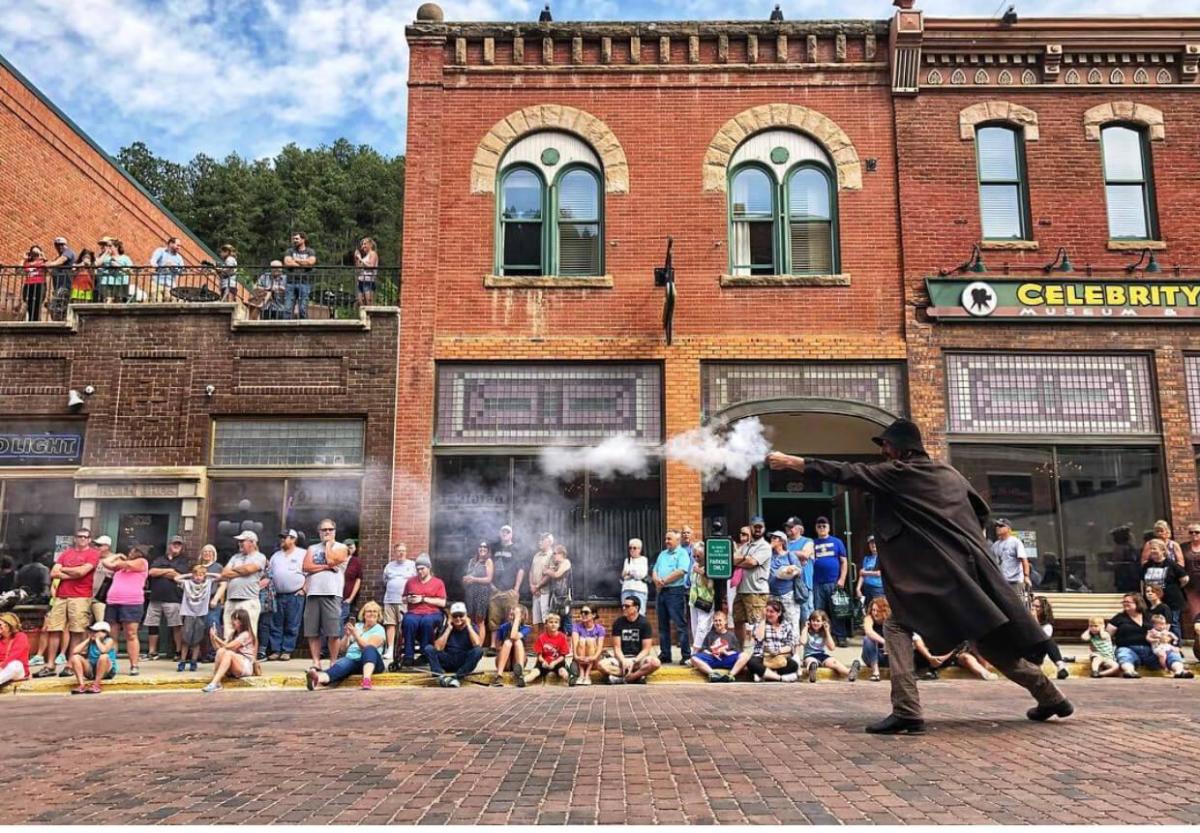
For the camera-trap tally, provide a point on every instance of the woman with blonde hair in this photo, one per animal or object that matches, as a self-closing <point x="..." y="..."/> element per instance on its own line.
<point x="366" y="258"/>
<point x="362" y="651"/>
<point x="1162" y="533"/>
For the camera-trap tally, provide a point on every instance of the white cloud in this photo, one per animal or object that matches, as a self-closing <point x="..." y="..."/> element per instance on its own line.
<point x="216" y="76"/>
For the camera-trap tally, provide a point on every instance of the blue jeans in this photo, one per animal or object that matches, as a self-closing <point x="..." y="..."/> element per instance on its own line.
<point x="283" y="626"/>
<point x="297" y="297"/>
<point x="671" y="606"/>
<point x="1136" y="655"/>
<point x="345" y="666"/>
<point x="216" y="619"/>
<point x="345" y="612"/>
<point x="822" y="599"/>
<point x="806" y="607"/>
<point x="418" y="630"/>
<point x="460" y="665"/>
<point x="873" y="653"/>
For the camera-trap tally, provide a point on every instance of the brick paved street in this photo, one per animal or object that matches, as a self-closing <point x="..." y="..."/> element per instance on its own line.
<point x="669" y="754"/>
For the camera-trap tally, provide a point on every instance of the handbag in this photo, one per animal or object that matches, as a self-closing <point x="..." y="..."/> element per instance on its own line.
<point x="702" y="596"/>
<point x="840" y="602"/>
<point x="775" y="661"/>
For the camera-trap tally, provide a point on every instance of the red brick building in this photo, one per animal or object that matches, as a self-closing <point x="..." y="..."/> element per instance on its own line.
<point x="813" y="175"/>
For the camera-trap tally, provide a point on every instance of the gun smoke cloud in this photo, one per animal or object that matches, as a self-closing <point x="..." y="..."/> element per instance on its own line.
<point x="712" y="451"/>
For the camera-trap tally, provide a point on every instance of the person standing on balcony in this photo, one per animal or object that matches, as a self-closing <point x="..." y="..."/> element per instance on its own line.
<point x="168" y="264"/>
<point x="62" y="267"/>
<point x="34" y="290"/>
<point x="113" y="271"/>
<point x="270" y="294"/>
<point x="83" y="277"/>
<point x="300" y="260"/>
<point x="228" y="274"/>
<point x="366" y="258"/>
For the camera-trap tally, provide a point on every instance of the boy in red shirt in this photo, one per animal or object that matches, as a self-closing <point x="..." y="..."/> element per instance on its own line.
<point x="553" y="652"/>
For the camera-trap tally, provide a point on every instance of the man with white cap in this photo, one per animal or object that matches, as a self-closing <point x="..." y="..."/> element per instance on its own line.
<point x="457" y="649"/>
<point x="325" y="566"/>
<point x="286" y="572"/>
<point x="243" y="572"/>
<point x="61" y="266"/>
<point x="426" y="598"/>
<point x="103" y="545"/>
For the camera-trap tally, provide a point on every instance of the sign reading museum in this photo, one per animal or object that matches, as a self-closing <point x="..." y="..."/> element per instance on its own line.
<point x="1007" y="299"/>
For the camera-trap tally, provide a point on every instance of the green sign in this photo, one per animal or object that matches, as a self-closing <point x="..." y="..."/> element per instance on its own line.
<point x="1062" y="299"/>
<point x="718" y="557"/>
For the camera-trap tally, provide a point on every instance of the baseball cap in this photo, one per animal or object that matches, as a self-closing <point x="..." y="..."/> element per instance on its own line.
<point x="777" y="534"/>
<point x="100" y="626"/>
<point x="506" y="528"/>
<point x="485" y="544"/>
<point x="62" y="240"/>
<point x="458" y="607"/>
<point x="757" y="519"/>
<point x="247" y="536"/>
<point x="103" y="540"/>
<point x="177" y="539"/>
<point x="822" y="520"/>
<point x="1003" y="522"/>
<point x="793" y="521"/>
<point x="423" y="560"/>
<point x="289" y="533"/>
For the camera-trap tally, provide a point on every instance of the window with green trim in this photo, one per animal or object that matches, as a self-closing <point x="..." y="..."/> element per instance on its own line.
<point x="1128" y="188"/>
<point x="550" y="208"/>
<point x="783" y="228"/>
<point x="1003" y="191"/>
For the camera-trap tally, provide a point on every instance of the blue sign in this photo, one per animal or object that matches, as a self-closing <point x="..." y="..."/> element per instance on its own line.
<point x="41" y="448"/>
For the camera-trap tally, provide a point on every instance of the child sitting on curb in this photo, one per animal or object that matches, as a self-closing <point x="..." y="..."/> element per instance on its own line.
<point x="553" y="653"/>
<point x="1101" y="653"/>
<point x="511" y="639"/>
<point x="817" y="638"/>
<point x="1165" y="645"/>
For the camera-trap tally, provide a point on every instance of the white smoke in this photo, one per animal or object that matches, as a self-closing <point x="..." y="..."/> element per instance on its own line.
<point x="616" y="455"/>
<point x="719" y="454"/>
<point x="712" y="451"/>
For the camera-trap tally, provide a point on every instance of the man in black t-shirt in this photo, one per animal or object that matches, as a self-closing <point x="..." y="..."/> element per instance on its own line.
<point x="165" y="598"/>
<point x="509" y="570"/>
<point x="633" y="646"/>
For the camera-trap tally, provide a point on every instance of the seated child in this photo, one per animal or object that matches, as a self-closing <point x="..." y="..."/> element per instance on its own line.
<point x="718" y="655"/>
<point x="511" y="638"/>
<point x="587" y="643"/>
<point x="94" y="660"/>
<point x="1165" y="645"/>
<point x="817" y="638"/>
<point x="1101" y="653"/>
<point x="553" y="653"/>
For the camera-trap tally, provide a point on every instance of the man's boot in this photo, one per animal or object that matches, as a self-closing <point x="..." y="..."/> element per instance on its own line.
<point x="893" y="725"/>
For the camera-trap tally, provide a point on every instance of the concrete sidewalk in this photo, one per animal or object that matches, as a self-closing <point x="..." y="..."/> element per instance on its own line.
<point x="161" y="675"/>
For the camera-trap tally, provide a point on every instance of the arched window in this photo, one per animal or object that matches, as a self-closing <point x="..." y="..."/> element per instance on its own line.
<point x="782" y="207"/>
<point x="1003" y="190"/>
<point x="1128" y="187"/>
<point x="550" y="208"/>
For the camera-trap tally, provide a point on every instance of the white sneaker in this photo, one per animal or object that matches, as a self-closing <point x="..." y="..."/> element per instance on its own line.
<point x="387" y="655"/>
<point x="60" y="660"/>
<point x="37" y="660"/>
<point x="789" y="678"/>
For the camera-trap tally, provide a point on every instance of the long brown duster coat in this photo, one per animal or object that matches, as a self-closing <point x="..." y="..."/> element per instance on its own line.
<point x="938" y="574"/>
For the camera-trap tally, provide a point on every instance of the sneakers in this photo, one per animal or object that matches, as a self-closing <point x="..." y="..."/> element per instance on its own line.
<point x="1063" y="672"/>
<point x="855" y="667"/>
<point x="37" y="660"/>
<point x="715" y="677"/>
<point x="211" y="687"/>
<point x="757" y="678"/>
<point x="1129" y="675"/>
<point x="497" y="682"/>
<point x="1044" y="713"/>
<point x="285" y="657"/>
<point x="893" y="725"/>
<point x="133" y="671"/>
<point x="152" y="657"/>
<point x="1185" y="675"/>
<point x="191" y="665"/>
<point x="387" y="655"/>
<point x="273" y="657"/>
<point x="454" y="682"/>
<point x="812" y="672"/>
<point x="179" y="668"/>
<point x="520" y="678"/>
<point x="366" y="684"/>
<point x="789" y="678"/>
<point x="616" y="681"/>
<point x="61" y="659"/>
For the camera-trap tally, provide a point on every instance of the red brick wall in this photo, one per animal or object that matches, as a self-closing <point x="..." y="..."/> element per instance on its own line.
<point x="57" y="184"/>
<point x="940" y="222"/>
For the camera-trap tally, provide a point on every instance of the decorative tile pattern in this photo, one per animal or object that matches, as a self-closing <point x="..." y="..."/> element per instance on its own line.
<point x="288" y="442"/>
<point x="880" y="384"/>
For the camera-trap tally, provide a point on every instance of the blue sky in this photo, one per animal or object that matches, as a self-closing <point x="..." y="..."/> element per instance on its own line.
<point x="216" y="76"/>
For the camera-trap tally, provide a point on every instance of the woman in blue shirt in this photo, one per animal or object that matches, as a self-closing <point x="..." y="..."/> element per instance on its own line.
<point x="870" y="579"/>
<point x="362" y="651"/>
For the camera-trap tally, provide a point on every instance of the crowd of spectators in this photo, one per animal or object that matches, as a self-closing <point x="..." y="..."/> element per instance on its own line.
<point x="772" y="620"/>
<point x="106" y="274"/>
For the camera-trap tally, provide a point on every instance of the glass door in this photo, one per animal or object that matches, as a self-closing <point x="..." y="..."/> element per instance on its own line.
<point x="146" y="523"/>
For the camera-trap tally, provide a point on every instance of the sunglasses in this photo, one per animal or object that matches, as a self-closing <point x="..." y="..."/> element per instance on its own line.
<point x="457" y="615"/>
<point x="585" y="613"/>
<point x="1194" y="531"/>
<point x="83" y="536"/>
<point x="327" y="529"/>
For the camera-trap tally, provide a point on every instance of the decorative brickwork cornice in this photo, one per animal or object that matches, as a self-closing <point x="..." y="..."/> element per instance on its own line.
<point x="1127" y="111"/>
<point x="795" y="116"/>
<point x="1006" y="111"/>
<point x="549" y="117"/>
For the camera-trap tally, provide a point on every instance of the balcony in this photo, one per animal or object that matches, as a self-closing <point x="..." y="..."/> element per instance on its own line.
<point x="265" y="293"/>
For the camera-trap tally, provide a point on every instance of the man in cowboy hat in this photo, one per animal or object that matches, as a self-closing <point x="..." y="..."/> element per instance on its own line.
<point x="939" y="577"/>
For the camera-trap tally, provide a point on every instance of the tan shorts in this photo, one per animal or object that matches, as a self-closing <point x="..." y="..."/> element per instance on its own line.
<point x="73" y="614"/>
<point x="749" y="607"/>
<point x="499" y="606"/>
<point x="393" y="614"/>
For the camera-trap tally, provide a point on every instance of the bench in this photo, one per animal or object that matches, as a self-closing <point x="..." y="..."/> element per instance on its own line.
<point x="1079" y="607"/>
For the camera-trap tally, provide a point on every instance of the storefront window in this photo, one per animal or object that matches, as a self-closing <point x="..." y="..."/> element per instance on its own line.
<point x="593" y="518"/>
<point x="237" y="505"/>
<point x="37" y="517"/>
<point x="310" y="500"/>
<point x="1081" y="511"/>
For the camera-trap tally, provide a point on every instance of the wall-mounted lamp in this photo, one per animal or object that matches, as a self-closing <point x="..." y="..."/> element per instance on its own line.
<point x="1151" y="264"/>
<point x="209" y="390"/>
<point x="974" y="263"/>
<point x="1061" y="262"/>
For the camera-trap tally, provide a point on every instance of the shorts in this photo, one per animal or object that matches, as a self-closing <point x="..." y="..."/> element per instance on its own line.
<point x="393" y="614"/>
<point x="366" y="286"/>
<point x="74" y="614"/>
<point x="506" y="629"/>
<point x="116" y="614"/>
<point x="749" y="607"/>
<point x="322" y="617"/>
<point x="499" y="606"/>
<point x="195" y="629"/>
<point x="113" y="291"/>
<point x="157" y="611"/>
<point x="1171" y="656"/>
<point x="820" y="657"/>
<point x="241" y="667"/>
<point x="89" y="673"/>
<point x="722" y="663"/>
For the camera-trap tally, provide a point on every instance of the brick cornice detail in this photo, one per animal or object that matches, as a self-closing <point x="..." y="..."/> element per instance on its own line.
<point x="1127" y="111"/>
<point x="1003" y="111"/>
<point x="549" y="117"/>
<point x="797" y="117"/>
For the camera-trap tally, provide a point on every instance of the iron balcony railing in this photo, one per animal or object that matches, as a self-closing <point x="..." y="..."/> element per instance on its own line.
<point x="288" y="293"/>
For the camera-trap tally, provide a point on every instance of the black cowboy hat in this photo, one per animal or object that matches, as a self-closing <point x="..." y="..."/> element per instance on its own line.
<point x="903" y="434"/>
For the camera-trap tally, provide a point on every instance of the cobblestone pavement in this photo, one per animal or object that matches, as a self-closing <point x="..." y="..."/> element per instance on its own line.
<point x="684" y="754"/>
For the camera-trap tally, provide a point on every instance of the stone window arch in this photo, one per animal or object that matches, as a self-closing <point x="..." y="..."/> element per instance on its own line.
<point x="520" y="123"/>
<point x="997" y="111"/>
<point x="1130" y="112"/>
<point x="820" y="127"/>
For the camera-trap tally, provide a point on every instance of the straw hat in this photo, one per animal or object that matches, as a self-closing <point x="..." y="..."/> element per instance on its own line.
<point x="12" y="621"/>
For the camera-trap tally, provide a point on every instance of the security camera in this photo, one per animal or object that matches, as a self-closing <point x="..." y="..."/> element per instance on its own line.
<point x="89" y="390"/>
<point x="74" y="400"/>
<point x="209" y="390"/>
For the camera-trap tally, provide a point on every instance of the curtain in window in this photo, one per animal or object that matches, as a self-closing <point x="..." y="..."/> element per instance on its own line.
<point x="810" y="225"/>
<point x="579" y="223"/>
<point x="752" y="212"/>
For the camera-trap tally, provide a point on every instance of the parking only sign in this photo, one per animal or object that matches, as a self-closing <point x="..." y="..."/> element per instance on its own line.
<point x="718" y="554"/>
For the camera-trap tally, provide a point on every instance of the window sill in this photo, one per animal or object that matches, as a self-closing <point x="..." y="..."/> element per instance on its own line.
<point x="547" y="282"/>
<point x="1009" y="245"/>
<point x="842" y="279"/>
<point x="1136" y="245"/>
